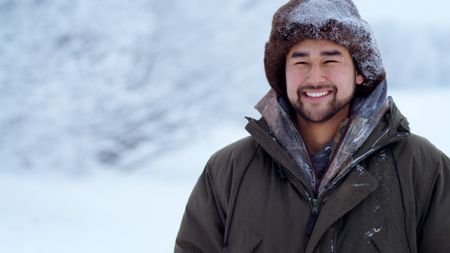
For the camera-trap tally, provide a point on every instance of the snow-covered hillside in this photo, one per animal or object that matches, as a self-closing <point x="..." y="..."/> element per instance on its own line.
<point x="117" y="84"/>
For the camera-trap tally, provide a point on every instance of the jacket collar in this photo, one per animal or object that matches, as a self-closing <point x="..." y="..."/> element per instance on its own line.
<point x="365" y="115"/>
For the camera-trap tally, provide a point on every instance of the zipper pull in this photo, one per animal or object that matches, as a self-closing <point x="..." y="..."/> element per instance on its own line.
<point x="315" y="207"/>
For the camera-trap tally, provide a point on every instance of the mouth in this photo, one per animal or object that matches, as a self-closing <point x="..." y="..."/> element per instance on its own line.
<point x="316" y="94"/>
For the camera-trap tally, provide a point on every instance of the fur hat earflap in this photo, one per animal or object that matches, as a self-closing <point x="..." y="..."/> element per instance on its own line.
<point x="335" y="20"/>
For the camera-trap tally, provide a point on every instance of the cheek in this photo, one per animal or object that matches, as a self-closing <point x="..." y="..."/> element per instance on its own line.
<point x="345" y="81"/>
<point x="293" y="79"/>
<point x="347" y="91"/>
<point x="291" y="89"/>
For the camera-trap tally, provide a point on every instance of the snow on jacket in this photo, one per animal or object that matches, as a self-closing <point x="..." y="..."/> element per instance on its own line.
<point x="252" y="197"/>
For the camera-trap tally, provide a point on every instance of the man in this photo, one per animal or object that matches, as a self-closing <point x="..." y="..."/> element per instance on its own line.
<point x="331" y="166"/>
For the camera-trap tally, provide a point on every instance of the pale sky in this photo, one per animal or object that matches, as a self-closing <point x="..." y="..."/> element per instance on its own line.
<point x="415" y="12"/>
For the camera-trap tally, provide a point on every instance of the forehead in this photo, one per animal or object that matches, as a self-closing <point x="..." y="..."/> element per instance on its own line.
<point x="316" y="47"/>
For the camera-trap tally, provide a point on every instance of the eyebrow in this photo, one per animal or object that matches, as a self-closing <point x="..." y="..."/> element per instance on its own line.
<point x="299" y="54"/>
<point x="331" y="53"/>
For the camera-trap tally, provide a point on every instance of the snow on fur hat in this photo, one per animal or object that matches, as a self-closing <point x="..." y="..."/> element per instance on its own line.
<point x="335" y="20"/>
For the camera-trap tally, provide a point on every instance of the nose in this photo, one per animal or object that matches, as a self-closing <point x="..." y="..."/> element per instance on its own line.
<point x="316" y="75"/>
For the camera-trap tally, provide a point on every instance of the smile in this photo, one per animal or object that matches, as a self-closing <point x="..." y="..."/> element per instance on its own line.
<point x="316" y="94"/>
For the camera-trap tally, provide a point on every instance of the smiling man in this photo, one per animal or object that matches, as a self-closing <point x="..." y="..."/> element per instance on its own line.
<point x="331" y="166"/>
<point x="320" y="84"/>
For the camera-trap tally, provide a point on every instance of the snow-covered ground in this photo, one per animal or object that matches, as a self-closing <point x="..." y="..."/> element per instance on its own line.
<point x="103" y="213"/>
<point x="140" y="212"/>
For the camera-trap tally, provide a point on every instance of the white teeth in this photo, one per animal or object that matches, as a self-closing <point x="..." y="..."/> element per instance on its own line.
<point x="316" y="94"/>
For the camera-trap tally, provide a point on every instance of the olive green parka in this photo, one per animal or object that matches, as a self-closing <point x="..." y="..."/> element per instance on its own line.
<point x="384" y="190"/>
<point x="252" y="197"/>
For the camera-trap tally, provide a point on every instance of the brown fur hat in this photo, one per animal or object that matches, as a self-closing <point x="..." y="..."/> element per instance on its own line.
<point x="334" y="20"/>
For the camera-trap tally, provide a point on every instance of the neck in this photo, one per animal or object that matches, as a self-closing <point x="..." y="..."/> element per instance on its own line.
<point x="317" y="135"/>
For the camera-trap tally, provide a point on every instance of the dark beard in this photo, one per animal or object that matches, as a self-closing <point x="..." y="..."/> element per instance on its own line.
<point x="334" y="106"/>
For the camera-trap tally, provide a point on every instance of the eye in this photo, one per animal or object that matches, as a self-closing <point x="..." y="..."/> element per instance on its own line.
<point x="330" y="61"/>
<point x="301" y="63"/>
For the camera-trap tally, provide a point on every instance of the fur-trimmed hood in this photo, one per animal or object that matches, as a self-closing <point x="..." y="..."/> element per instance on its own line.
<point x="335" y="20"/>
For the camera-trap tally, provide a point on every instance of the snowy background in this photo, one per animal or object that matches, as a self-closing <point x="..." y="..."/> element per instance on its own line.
<point x="109" y="109"/>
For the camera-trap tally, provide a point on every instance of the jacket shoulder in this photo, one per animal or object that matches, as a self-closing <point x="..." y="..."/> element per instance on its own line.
<point x="234" y="155"/>
<point x="227" y="166"/>
<point x="418" y="159"/>
<point x="212" y="199"/>
<point x="420" y="149"/>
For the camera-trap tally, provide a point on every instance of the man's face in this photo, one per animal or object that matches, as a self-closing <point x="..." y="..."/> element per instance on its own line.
<point x="320" y="79"/>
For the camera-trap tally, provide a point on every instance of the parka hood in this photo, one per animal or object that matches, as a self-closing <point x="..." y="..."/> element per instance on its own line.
<point x="335" y="20"/>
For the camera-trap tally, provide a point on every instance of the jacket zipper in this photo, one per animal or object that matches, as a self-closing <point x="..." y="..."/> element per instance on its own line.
<point x="317" y="201"/>
<point x="315" y="209"/>
<point x="315" y="205"/>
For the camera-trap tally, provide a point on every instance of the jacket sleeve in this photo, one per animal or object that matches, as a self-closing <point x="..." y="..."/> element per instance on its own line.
<point x="434" y="232"/>
<point x="203" y="221"/>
